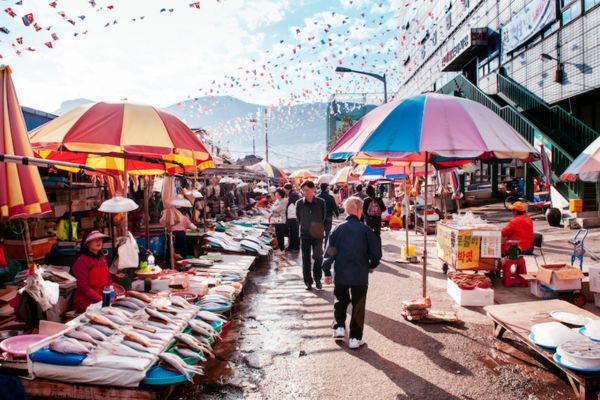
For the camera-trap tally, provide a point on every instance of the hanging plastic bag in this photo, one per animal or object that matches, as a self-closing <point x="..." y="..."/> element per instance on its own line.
<point x="128" y="254"/>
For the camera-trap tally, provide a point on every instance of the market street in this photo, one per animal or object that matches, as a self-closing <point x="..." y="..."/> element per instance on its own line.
<point x="283" y="346"/>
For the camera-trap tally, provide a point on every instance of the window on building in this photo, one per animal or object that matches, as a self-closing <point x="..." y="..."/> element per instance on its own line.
<point x="588" y="4"/>
<point x="571" y="11"/>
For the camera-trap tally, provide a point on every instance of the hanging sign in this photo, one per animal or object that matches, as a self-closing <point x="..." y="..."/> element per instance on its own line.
<point x="536" y="15"/>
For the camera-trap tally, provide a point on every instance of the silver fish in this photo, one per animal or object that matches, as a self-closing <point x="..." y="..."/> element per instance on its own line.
<point x="103" y="329"/>
<point x="119" y="349"/>
<point x="149" y="335"/>
<point x="210" y="316"/>
<point x="192" y="342"/>
<point x="93" y="332"/>
<point x="69" y="346"/>
<point x="127" y="304"/>
<point x="179" y="365"/>
<point x="100" y="319"/>
<point x="201" y="329"/>
<point x="158" y="315"/>
<point x="206" y="325"/>
<point x="187" y="353"/>
<point x="116" y="311"/>
<point x="80" y="335"/>
<point x="136" y="346"/>
<point x="160" y="326"/>
<point x="117" y="320"/>
<point x="135" y="301"/>
<point x="182" y="303"/>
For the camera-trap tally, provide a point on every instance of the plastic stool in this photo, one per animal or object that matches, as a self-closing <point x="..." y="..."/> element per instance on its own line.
<point x="514" y="279"/>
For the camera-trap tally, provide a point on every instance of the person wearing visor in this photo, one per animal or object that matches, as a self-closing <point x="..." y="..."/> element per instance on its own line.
<point x="91" y="271"/>
<point x="519" y="228"/>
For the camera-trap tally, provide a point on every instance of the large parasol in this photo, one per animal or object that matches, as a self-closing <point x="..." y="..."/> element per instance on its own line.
<point x="435" y="128"/>
<point x="127" y="131"/>
<point x="269" y="170"/>
<point x="122" y="138"/>
<point x="586" y="166"/>
<point x="22" y="194"/>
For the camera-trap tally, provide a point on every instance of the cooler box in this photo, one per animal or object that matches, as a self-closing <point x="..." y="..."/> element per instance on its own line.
<point x="594" y="274"/>
<point x="470" y="298"/>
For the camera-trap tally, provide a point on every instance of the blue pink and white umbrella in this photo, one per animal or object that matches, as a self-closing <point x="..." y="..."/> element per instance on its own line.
<point x="449" y="129"/>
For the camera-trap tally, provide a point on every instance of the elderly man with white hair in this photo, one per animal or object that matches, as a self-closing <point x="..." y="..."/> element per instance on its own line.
<point x="354" y="252"/>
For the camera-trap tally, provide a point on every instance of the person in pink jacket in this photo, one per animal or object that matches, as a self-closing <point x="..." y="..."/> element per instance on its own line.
<point x="91" y="271"/>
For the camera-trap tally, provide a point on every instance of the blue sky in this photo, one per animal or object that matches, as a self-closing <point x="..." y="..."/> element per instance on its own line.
<point x="263" y="51"/>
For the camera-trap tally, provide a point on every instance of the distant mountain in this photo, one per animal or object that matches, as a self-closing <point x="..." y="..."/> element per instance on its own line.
<point x="297" y="133"/>
<point x="70" y="104"/>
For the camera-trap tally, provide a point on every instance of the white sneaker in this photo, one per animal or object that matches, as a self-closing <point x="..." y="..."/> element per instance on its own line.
<point x="339" y="334"/>
<point x="355" y="343"/>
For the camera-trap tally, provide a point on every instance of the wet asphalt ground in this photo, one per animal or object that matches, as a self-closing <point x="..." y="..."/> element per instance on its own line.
<point x="281" y="347"/>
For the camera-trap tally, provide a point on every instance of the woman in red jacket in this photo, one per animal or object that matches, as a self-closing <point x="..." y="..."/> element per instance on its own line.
<point x="91" y="271"/>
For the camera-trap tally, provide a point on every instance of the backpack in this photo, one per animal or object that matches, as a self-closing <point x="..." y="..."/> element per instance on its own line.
<point x="374" y="210"/>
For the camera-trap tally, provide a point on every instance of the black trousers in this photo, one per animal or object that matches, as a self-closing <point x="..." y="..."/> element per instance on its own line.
<point x="280" y="232"/>
<point x="328" y="223"/>
<point x="180" y="243"/>
<point x="375" y="224"/>
<point x="314" y="247"/>
<point x="357" y="295"/>
<point x="293" y="234"/>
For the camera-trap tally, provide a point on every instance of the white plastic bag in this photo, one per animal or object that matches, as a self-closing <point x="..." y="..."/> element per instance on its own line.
<point x="128" y="254"/>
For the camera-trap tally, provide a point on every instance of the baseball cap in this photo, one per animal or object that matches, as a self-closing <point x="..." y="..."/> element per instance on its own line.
<point x="518" y="206"/>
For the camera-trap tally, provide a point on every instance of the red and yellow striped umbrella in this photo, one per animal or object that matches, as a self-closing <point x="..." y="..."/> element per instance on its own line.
<point x="109" y="132"/>
<point x="21" y="191"/>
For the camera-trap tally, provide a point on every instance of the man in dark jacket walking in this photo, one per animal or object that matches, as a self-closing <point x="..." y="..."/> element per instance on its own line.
<point x="354" y="252"/>
<point x="310" y="212"/>
<point x="331" y="209"/>
<point x="292" y="221"/>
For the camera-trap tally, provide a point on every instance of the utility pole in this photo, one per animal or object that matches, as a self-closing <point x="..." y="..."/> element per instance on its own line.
<point x="266" y="135"/>
<point x="253" y="121"/>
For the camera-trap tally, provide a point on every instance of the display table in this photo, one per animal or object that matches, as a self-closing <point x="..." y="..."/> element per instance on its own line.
<point x="43" y="388"/>
<point x="518" y="318"/>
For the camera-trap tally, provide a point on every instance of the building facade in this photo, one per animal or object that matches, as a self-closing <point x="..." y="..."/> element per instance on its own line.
<point x="551" y="47"/>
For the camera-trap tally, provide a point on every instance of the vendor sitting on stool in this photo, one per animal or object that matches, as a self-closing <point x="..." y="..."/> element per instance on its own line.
<point x="519" y="229"/>
<point x="91" y="271"/>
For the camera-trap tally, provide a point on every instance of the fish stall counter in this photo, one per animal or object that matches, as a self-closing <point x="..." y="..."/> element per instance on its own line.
<point x="139" y="339"/>
<point x="213" y="271"/>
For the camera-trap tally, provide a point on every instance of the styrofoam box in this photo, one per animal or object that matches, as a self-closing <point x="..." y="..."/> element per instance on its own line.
<point x="470" y="298"/>
<point x="597" y="299"/>
<point x="594" y="274"/>
<point x="535" y="287"/>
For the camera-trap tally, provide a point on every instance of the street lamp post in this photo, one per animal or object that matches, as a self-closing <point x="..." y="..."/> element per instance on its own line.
<point x="376" y="76"/>
<point x="560" y="67"/>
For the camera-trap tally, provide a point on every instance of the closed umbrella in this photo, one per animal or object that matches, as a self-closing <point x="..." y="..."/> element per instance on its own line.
<point x="436" y="127"/>
<point x="22" y="194"/>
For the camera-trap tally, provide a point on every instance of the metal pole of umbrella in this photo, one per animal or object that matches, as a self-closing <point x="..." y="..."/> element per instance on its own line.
<point x="147" y="212"/>
<point x="70" y="224"/>
<point x="424" y="288"/>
